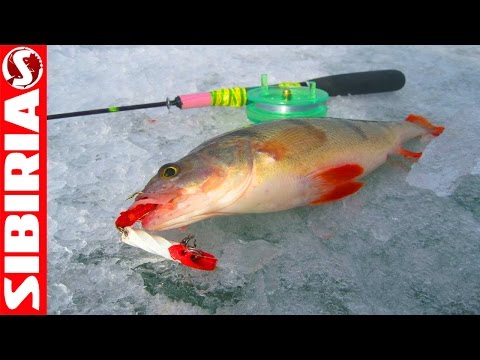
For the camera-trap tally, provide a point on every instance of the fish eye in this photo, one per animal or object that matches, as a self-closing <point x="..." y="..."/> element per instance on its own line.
<point x="169" y="170"/>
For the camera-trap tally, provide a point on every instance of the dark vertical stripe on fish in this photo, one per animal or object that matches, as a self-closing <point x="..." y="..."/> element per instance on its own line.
<point x="357" y="129"/>
<point x="312" y="130"/>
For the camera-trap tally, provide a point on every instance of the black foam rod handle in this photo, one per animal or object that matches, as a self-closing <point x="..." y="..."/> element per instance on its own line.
<point x="367" y="82"/>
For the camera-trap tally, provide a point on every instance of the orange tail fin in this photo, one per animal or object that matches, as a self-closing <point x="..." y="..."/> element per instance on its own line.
<point x="425" y="123"/>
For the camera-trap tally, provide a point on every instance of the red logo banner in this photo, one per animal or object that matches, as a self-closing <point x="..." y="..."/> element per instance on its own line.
<point x="23" y="180"/>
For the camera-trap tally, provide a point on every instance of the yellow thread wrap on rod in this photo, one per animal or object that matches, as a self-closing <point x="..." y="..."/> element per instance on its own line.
<point x="289" y="84"/>
<point x="235" y="97"/>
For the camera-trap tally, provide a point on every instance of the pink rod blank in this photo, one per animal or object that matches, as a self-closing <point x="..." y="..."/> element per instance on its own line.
<point x="196" y="100"/>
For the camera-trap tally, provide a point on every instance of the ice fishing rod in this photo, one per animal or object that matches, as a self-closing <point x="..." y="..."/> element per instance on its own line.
<point x="358" y="83"/>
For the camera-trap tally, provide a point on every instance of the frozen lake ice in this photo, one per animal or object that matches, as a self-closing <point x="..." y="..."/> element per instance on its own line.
<point x="407" y="243"/>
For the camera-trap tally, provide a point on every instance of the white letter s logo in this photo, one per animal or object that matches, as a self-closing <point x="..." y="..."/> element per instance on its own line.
<point x="15" y="298"/>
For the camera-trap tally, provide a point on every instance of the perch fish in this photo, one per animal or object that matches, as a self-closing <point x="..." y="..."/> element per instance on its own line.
<point x="271" y="167"/>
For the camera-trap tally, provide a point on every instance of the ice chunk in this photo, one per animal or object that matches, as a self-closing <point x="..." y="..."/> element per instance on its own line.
<point x="450" y="156"/>
<point x="476" y="169"/>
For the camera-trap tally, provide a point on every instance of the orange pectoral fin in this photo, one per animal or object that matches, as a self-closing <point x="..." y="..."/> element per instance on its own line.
<point x="336" y="183"/>
<point x="339" y="192"/>
<point x="275" y="149"/>
<point x="409" y="154"/>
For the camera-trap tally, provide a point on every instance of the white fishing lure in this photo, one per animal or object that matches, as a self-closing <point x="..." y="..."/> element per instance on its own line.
<point x="152" y="243"/>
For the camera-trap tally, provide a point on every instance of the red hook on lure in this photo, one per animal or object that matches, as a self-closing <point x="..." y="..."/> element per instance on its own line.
<point x="180" y="252"/>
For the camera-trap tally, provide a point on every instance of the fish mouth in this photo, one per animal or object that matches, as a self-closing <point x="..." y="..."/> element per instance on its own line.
<point x="148" y="207"/>
<point x="158" y="212"/>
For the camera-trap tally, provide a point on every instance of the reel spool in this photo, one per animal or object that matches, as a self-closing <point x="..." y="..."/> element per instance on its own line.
<point x="285" y="101"/>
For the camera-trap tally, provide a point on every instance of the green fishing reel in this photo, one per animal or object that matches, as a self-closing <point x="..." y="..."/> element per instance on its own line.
<point x="285" y="101"/>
